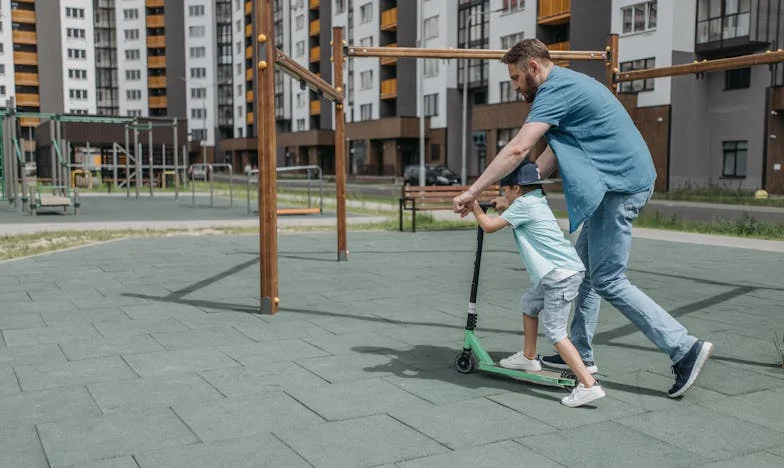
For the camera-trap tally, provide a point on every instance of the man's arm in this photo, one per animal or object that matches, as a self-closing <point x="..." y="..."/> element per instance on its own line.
<point x="547" y="162"/>
<point x="488" y="224"/>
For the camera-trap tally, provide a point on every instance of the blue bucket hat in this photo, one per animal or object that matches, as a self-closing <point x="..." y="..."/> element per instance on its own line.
<point x="527" y="173"/>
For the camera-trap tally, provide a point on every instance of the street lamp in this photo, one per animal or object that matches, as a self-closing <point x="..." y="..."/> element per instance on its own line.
<point x="465" y="88"/>
<point x="204" y="119"/>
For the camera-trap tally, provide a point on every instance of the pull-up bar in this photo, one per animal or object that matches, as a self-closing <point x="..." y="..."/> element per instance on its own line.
<point x="704" y="66"/>
<point x="298" y="71"/>
<point x="415" y="52"/>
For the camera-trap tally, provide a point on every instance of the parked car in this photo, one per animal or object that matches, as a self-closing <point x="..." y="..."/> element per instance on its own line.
<point x="434" y="175"/>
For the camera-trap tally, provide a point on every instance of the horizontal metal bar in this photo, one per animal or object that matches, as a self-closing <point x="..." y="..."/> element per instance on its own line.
<point x="298" y="71"/>
<point x="416" y="52"/>
<point x="704" y="66"/>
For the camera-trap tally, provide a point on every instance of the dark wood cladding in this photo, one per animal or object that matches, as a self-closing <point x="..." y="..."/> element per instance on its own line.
<point x="777" y="99"/>
<point x="104" y="134"/>
<point x="309" y="138"/>
<point x="504" y="115"/>
<point x="385" y="129"/>
<point x="654" y="125"/>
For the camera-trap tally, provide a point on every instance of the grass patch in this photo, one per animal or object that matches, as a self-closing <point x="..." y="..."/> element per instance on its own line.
<point x="714" y="192"/>
<point x="746" y="226"/>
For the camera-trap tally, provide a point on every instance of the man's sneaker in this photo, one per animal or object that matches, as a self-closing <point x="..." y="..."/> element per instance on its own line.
<point x="688" y="368"/>
<point x="520" y="362"/>
<point x="556" y="362"/>
<point x="582" y="395"/>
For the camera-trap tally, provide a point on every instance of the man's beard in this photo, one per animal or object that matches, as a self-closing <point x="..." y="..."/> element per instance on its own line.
<point x="530" y="89"/>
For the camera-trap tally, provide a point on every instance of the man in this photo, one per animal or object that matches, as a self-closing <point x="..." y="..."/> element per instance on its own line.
<point x="608" y="177"/>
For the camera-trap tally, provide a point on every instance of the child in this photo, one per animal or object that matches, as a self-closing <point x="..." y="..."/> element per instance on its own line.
<point x="555" y="271"/>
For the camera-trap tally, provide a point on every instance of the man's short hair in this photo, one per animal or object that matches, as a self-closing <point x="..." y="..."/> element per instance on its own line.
<point x="526" y="50"/>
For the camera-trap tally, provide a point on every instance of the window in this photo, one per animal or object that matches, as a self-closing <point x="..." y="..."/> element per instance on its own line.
<point x="735" y="158"/>
<point x="131" y="34"/>
<point x="513" y="5"/>
<point x="199" y="113"/>
<point x="505" y="135"/>
<point x="431" y="105"/>
<point x="134" y="113"/>
<point x="133" y="94"/>
<point x="431" y="27"/>
<point x="132" y="54"/>
<point x="240" y="111"/>
<point x="366" y="79"/>
<point x="718" y="20"/>
<point x="130" y="14"/>
<point x="75" y="33"/>
<point x="639" y="17"/>
<point x="77" y="94"/>
<point x="508" y="41"/>
<point x="300" y="125"/>
<point x="300" y="22"/>
<point x="2" y="90"/>
<point x="198" y="52"/>
<point x="366" y="112"/>
<point x="239" y="90"/>
<point x="508" y="93"/>
<point x="300" y="100"/>
<point x="196" y="10"/>
<point x="366" y="41"/>
<point x="637" y="85"/>
<point x="300" y="48"/>
<point x="196" y="31"/>
<point x="77" y="74"/>
<point x="133" y="75"/>
<point x="340" y="6"/>
<point x="77" y="13"/>
<point x="366" y="13"/>
<point x="77" y="54"/>
<point x="430" y="67"/>
<point x="2" y="49"/>
<point x="238" y="26"/>
<point x="198" y="93"/>
<point x="198" y="72"/>
<point x="740" y="78"/>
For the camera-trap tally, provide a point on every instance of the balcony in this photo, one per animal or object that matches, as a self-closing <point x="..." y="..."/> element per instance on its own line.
<point x="154" y="3"/>
<point x="25" y="37"/>
<point x="248" y="8"/>
<point x="155" y="21"/>
<point x="389" y="60"/>
<point x="314" y="4"/>
<point x="29" y="121"/>
<point x="28" y="100"/>
<point x="559" y="46"/>
<point x="389" y="19"/>
<point x="389" y="88"/>
<point x="553" y="12"/>
<point x="249" y="52"/>
<point x="157" y="102"/>
<point x="249" y="118"/>
<point x="26" y="79"/>
<point x="156" y="82"/>
<point x="248" y="30"/>
<point x="315" y="27"/>
<point x="23" y="16"/>
<point x="156" y="42"/>
<point x="158" y="61"/>
<point x="315" y="54"/>
<point x="25" y="58"/>
<point x="249" y="74"/>
<point x="315" y="107"/>
<point x="249" y="96"/>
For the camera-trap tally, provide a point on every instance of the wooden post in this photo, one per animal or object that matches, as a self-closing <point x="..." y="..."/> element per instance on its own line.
<point x="612" y="62"/>
<point x="340" y="141"/>
<point x="265" y="121"/>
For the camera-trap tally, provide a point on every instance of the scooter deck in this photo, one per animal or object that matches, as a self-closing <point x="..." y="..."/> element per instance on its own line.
<point x="542" y="376"/>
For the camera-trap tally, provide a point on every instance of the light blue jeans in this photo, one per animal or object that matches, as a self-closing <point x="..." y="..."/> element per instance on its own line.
<point x="604" y="246"/>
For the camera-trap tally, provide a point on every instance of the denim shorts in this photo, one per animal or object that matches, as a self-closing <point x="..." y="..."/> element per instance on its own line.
<point x="551" y="301"/>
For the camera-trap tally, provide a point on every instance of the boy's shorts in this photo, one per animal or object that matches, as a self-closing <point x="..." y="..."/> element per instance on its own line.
<point x="553" y="298"/>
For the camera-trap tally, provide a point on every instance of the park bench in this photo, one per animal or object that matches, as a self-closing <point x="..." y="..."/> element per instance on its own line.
<point x="52" y="196"/>
<point x="415" y="198"/>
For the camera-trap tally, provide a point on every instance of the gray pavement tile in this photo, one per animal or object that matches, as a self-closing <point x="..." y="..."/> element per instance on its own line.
<point x="178" y="362"/>
<point x="50" y="334"/>
<point x="86" y="439"/>
<point x="703" y="432"/>
<point x="436" y="334"/>
<point x="114" y="462"/>
<point x="138" y="327"/>
<point x="346" y="343"/>
<point x="352" y="325"/>
<point x="354" y="399"/>
<point x="448" y="386"/>
<point x="8" y="383"/>
<point x="73" y="373"/>
<point x="607" y="444"/>
<point x="347" y="367"/>
<point x="261" y="378"/>
<point x="260" y="451"/>
<point x="763" y="408"/>
<point x="114" y="346"/>
<point x="158" y="310"/>
<point x="507" y="453"/>
<point x="733" y="380"/>
<point x="20" y="320"/>
<point x="361" y="442"/>
<point x="201" y="338"/>
<point x="20" y="447"/>
<point x="272" y="351"/>
<point x="133" y="395"/>
<point x="28" y="408"/>
<point x="474" y="422"/>
<point x="778" y="450"/>
<point x="31" y="355"/>
<point x="757" y="459"/>
<point x="197" y="318"/>
<point x="648" y="391"/>
<point x="282" y="328"/>
<point x="245" y="415"/>
<point x="82" y="315"/>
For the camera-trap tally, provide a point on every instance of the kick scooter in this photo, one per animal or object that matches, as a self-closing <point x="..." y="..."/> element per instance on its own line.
<point x="474" y="355"/>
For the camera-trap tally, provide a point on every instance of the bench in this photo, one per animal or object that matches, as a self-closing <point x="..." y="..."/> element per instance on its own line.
<point x="40" y="197"/>
<point x="415" y="198"/>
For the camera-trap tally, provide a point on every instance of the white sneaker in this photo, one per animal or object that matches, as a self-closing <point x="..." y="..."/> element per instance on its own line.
<point x="520" y="362"/>
<point x="582" y="395"/>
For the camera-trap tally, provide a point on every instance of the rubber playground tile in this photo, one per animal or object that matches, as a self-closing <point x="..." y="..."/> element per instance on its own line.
<point x="647" y="391"/>
<point x="608" y="444"/>
<point x="282" y="327"/>
<point x="50" y="334"/>
<point x="28" y="408"/>
<point x="352" y="367"/>
<point x="139" y="394"/>
<point x="507" y="453"/>
<point x="21" y="447"/>
<point x="201" y="338"/>
<point x="261" y="379"/>
<point x="31" y="355"/>
<point x="21" y="320"/>
<point x="361" y="442"/>
<point x="260" y="451"/>
<point x="8" y="383"/>
<point x="763" y="408"/>
<point x="733" y="380"/>
<point x="80" y="440"/>
<point x="73" y="373"/>
<point x="363" y="342"/>
<point x="160" y="310"/>
<point x="178" y="362"/>
<point x="114" y="346"/>
<point x="354" y="399"/>
<point x="138" y="327"/>
<point x="82" y="315"/>
<point x="703" y="432"/>
<point x="246" y="415"/>
<point x="757" y="459"/>
<point x="116" y="462"/>
<point x="271" y="351"/>
<point x="360" y="324"/>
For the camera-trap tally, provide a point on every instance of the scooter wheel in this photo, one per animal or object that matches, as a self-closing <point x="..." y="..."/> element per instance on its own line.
<point x="465" y="363"/>
<point x="568" y="374"/>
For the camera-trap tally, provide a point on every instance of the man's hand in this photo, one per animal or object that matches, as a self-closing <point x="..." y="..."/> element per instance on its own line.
<point x="500" y="204"/>
<point x="463" y="203"/>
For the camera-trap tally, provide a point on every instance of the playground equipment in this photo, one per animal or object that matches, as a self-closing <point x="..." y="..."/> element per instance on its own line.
<point x="208" y="170"/>
<point x="253" y="179"/>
